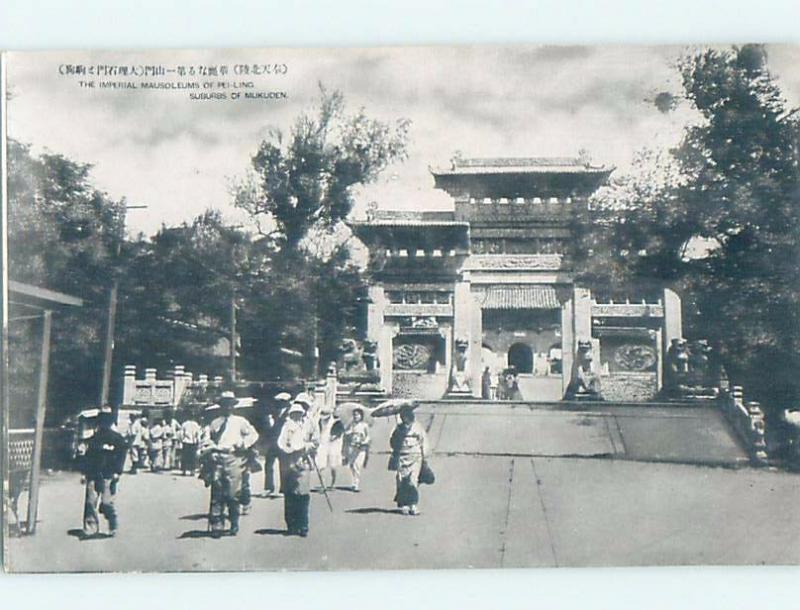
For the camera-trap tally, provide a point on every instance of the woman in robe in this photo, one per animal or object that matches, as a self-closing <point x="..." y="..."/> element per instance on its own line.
<point x="408" y="449"/>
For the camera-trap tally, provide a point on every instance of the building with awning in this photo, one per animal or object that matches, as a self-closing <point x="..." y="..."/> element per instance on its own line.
<point x="487" y="285"/>
<point x="32" y="304"/>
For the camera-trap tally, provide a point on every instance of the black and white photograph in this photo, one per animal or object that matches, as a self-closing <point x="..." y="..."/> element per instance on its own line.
<point x="401" y="307"/>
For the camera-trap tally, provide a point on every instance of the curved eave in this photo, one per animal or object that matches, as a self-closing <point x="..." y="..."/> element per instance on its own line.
<point x="429" y="234"/>
<point x="521" y="171"/>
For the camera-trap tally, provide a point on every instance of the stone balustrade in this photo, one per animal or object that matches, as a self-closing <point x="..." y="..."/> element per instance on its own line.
<point x="518" y="200"/>
<point x="151" y="390"/>
<point x="747" y="419"/>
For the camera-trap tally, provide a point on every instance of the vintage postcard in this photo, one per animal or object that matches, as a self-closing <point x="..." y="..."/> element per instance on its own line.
<point x="393" y="308"/>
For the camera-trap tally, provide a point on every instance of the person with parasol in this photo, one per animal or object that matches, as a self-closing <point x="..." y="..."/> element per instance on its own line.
<point x="408" y="452"/>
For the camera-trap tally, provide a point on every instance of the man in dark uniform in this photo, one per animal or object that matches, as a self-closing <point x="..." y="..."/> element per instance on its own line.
<point x="102" y="467"/>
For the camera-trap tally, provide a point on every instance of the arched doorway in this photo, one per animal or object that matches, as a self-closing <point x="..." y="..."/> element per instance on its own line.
<point x="520" y="356"/>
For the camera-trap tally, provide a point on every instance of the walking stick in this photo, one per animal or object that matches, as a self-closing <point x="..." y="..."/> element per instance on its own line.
<point x="321" y="483"/>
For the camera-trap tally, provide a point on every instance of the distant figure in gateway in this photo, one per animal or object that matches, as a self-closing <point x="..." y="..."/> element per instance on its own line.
<point x="508" y="388"/>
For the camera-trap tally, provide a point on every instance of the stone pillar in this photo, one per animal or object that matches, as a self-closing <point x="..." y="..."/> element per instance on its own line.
<point x="378" y="334"/>
<point x="129" y="385"/>
<point x="582" y="317"/>
<point x="582" y="314"/>
<point x="673" y="320"/>
<point x="567" y="342"/>
<point x="446" y="331"/>
<point x="178" y="383"/>
<point x="375" y="310"/>
<point x="476" y="347"/>
<point x="462" y="323"/>
<point x="462" y="310"/>
<point x="385" y="356"/>
<point x="673" y="323"/>
<point x="659" y="341"/>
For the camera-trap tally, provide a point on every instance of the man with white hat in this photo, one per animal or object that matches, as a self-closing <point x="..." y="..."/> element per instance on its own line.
<point x="226" y="441"/>
<point x="298" y="441"/>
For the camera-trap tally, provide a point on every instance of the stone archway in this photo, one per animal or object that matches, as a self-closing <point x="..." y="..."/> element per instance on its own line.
<point x="520" y="356"/>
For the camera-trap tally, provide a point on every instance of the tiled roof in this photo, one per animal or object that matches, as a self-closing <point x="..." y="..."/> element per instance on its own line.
<point x="410" y="223"/>
<point x="514" y="165"/>
<point x="532" y="296"/>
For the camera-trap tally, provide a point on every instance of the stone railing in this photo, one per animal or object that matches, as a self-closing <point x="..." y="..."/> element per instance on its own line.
<point x="627" y="309"/>
<point x="152" y="391"/>
<point x="747" y="419"/>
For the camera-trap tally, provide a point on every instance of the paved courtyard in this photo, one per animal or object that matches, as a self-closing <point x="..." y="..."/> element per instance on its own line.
<point x="515" y="487"/>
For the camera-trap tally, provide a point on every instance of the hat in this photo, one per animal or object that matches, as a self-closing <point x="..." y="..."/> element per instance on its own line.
<point x="305" y="400"/>
<point x="284" y="396"/>
<point x="227" y="398"/>
<point x="106" y="415"/>
<point x="296" y="408"/>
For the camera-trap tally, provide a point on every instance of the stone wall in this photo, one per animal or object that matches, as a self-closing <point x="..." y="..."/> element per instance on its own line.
<point x="629" y="387"/>
<point x="416" y="384"/>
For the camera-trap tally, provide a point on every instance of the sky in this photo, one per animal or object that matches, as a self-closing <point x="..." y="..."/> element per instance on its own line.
<point x="179" y="156"/>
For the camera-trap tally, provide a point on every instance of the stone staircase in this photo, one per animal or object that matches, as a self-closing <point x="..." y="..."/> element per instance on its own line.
<point x="684" y="432"/>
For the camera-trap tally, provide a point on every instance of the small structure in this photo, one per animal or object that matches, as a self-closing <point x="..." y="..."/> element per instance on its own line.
<point x="487" y="285"/>
<point x="25" y="443"/>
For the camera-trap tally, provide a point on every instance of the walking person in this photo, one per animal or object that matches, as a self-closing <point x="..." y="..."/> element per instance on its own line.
<point x="298" y="442"/>
<point x="329" y="452"/>
<point x="275" y="418"/>
<point x="172" y="442"/>
<point x="223" y="450"/>
<point x="137" y="448"/>
<point x="102" y="466"/>
<point x="486" y="384"/>
<point x="356" y="442"/>
<point x="190" y="434"/>
<point x="155" y="446"/>
<point x="167" y="444"/>
<point x="408" y="449"/>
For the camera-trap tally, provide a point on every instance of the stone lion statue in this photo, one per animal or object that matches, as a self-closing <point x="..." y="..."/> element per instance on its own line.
<point x="350" y="357"/>
<point x="584" y="383"/>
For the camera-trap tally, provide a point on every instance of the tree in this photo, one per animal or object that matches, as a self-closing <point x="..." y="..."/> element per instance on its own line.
<point x="175" y="302"/>
<point x="300" y="191"/>
<point x="719" y="218"/>
<point x="62" y="235"/>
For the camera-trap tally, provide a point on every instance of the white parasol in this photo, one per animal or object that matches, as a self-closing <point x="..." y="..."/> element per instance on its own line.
<point x="393" y="407"/>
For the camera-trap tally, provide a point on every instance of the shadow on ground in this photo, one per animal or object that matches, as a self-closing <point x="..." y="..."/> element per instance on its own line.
<point x="375" y="509"/>
<point x="83" y="536"/>
<point x="200" y="534"/>
<point x="271" y="532"/>
<point x="195" y="517"/>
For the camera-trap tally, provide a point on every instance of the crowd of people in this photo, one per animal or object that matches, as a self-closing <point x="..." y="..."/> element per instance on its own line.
<point x="301" y="443"/>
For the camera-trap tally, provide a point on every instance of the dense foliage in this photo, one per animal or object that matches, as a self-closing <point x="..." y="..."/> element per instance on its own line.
<point x="62" y="234"/>
<point x="295" y="288"/>
<point x="718" y="217"/>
